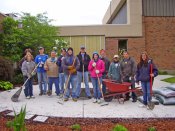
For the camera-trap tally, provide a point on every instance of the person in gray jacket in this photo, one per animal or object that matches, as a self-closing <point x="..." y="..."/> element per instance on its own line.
<point x="114" y="72"/>
<point x="27" y="68"/>
<point x="70" y="66"/>
<point x="128" y="71"/>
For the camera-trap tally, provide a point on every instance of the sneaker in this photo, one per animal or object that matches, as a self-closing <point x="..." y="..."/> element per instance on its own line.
<point x="28" y="97"/>
<point x="95" y="101"/>
<point x="60" y="96"/>
<point x="74" y="99"/>
<point x="98" y="101"/>
<point x="32" y="97"/>
<point x="66" y="99"/>
<point x="142" y="106"/>
<point x="49" y="92"/>
<point x="134" y="100"/>
<point x="40" y="94"/>
<point x="89" y="97"/>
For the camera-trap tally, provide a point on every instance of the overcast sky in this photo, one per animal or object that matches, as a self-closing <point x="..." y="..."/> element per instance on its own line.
<point x="64" y="12"/>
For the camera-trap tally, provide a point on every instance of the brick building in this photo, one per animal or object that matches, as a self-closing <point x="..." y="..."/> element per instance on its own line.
<point x="134" y="25"/>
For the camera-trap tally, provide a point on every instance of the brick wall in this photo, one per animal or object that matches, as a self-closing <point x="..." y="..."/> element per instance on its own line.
<point x="111" y="46"/>
<point x="158" y="40"/>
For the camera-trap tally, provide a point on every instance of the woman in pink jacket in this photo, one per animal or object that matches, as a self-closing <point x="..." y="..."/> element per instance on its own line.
<point x="96" y="68"/>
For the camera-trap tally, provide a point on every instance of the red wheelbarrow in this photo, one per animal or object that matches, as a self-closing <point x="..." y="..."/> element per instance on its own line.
<point x="117" y="90"/>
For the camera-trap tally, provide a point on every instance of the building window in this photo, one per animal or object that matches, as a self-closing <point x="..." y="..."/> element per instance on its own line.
<point x="121" y="17"/>
<point x="122" y="46"/>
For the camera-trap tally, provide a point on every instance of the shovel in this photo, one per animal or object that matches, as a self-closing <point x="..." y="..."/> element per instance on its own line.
<point x="151" y="104"/>
<point x="66" y="86"/>
<point x="99" y="84"/>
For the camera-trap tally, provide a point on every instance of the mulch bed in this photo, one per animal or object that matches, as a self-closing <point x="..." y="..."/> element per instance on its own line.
<point x="93" y="124"/>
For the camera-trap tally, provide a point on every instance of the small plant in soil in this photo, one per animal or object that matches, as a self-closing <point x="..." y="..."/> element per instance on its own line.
<point x="76" y="127"/>
<point x="119" y="128"/>
<point x="151" y="129"/>
<point x="18" y="124"/>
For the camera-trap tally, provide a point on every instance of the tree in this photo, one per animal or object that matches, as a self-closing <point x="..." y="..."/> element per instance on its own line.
<point x="35" y="31"/>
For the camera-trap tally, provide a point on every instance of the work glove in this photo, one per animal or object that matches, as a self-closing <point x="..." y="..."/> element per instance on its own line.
<point x="70" y="67"/>
<point x="97" y="71"/>
<point x="33" y="73"/>
<point x="29" y="75"/>
<point x="46" y="68"/>
<point x="72" y="71"/>
<point x="41" y="64"/>
<point x="93" y="64"/>
<point x="62" y="58"/>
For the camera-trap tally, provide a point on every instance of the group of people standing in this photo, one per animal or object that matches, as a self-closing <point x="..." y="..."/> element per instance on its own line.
<point x="69" y="69"/>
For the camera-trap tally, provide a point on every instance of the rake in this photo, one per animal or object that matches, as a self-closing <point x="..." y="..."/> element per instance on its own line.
<point x="15" y="97"/>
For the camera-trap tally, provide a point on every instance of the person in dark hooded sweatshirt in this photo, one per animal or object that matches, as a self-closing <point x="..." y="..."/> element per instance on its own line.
<point x="70" y="66"/>
<point x="107" y="64"/>
<point x="145" y="70"/>
<point x="84" y="59"/>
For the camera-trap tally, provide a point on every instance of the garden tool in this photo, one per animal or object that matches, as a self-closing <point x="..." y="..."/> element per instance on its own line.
<point x="99" y="84"/>
<point x="151" y="104"/>
<point x="66" y="85"/>
<point x="15" y="97"/>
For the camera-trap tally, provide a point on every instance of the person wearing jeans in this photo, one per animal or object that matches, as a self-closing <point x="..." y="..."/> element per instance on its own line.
<point x="52" y="72"/>
<point x="72" y="82"/>
<point x="61" y="73"/>
<point x="27" y="69"/>
<point x="107" y="64"/>
<point x="96" y="68"/>
<point x="145" y="70"/>
<point x="82" y="72"/>
<point x="70" y="66"/>
<point x="41" y="72"/>
<point x="128" y="71"/>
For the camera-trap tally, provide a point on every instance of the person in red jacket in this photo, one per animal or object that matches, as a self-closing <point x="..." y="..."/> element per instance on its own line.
<point x="96" y="68"/>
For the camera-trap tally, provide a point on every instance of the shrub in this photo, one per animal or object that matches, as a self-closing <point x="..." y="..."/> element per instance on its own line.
<point x="6" y="85"/>
<point x="151" y="129"/>
<point x="120" y="128"/>
<point x="162" y="72"/>
<point x="76" y="127"/>
<point x="18" y="79"/>
<point x="18" y="124"/>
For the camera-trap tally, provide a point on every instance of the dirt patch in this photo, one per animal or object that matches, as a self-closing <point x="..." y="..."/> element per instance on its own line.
<point x="93" y="124"/>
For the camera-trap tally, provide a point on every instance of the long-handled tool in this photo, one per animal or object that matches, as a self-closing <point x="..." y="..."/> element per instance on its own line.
<point x="151" y="104"/>
<point x="99" y="84"/>
<point x="15" y="97"/>
<point x="65" y="90"/>
<point x="66" y="85"/>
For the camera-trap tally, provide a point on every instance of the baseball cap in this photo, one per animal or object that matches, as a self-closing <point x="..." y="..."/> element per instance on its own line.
<point x="41" y="48"/>
<point x="82" y="47"/>
<point x="116" y="56"/>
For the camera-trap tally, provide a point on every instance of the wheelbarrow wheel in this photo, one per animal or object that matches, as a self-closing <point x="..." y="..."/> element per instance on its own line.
<point x="108" y="98"/>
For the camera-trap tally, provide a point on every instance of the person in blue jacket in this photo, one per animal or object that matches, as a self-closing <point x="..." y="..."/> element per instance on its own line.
<point x="41" y="72"/>
<point x="144" y="74"/>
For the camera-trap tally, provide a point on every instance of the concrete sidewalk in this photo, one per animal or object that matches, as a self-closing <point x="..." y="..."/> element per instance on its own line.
<point x="48" y="106"/>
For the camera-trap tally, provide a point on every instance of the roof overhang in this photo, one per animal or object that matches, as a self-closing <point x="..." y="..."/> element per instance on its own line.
<point x="132" y="29"/>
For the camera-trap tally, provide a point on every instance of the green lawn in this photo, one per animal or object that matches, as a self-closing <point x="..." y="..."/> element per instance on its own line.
<point x="169" y="80"/>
